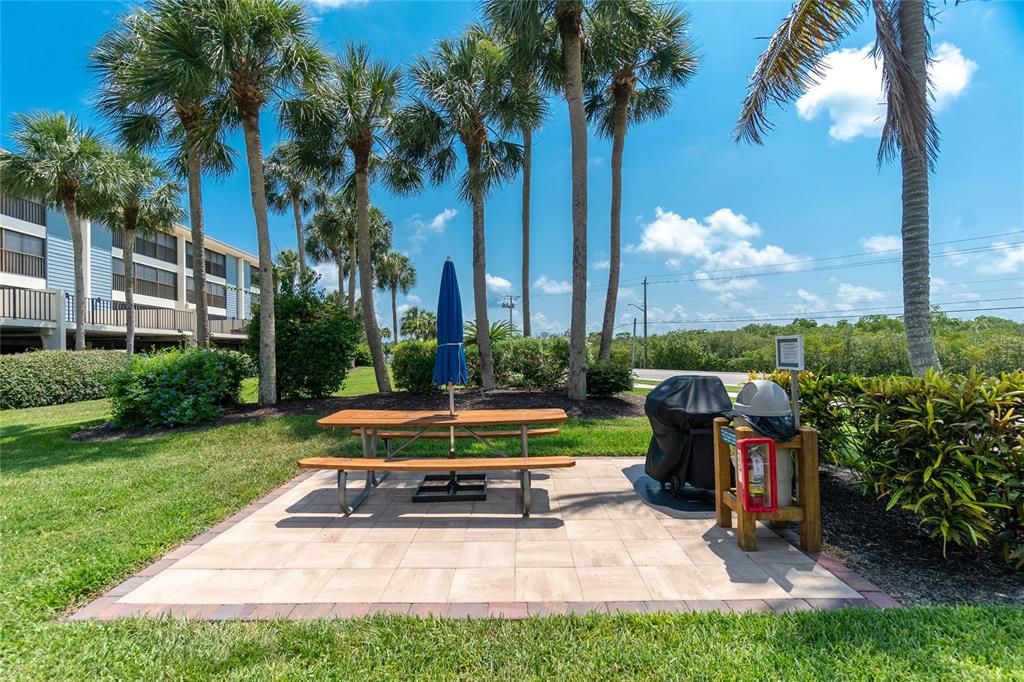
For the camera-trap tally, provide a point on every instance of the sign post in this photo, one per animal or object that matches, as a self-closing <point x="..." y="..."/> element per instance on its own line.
<point x="789" y="354"/>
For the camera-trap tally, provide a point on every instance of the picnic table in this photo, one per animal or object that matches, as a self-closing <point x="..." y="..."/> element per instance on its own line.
<point x="408" y="426"/>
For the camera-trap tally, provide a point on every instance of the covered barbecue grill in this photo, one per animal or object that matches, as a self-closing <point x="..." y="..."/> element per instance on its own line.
<point x="681" y="411"/>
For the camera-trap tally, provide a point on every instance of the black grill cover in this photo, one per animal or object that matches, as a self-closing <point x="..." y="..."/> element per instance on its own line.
<point x="682" y="411"/>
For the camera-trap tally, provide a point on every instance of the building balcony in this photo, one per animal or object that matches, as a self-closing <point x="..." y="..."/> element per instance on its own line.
<point x="25" y="264"/>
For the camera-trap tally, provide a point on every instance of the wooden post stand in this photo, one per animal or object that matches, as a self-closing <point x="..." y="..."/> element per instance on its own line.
<point x="807" y="511"/>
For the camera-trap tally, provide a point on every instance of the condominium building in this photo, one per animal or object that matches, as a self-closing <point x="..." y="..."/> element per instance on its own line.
<point x="37" y="283"/>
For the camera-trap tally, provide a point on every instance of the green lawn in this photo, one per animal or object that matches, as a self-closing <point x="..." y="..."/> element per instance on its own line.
<point x="359" y="381"/>
<point x="78" y="517"/>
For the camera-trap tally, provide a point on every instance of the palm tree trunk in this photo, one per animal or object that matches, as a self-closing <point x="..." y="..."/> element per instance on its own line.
<point x="128" y="258"/>
<point x="268" y="351"/>
<point x="527" y="161"/>
<point x="195" y="210"/>
<point x="341" y="281"/>
<point x="78" y="246"/>
<point x="301" y="250"/>
<point x="483" y="337"/>
<point x="380" y="369"/>
<point x="394" y="314"/>
<point x="615" y="223"/>
<point x="916" y="282"/>
<point x="569" y="27"/>
<point x="352" y="265"/>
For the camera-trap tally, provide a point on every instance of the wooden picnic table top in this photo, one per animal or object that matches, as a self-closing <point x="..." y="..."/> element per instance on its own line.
<point x="354" y="419"/>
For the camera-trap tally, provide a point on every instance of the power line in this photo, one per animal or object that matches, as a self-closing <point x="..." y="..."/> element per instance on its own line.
<point x="850" y="255"/>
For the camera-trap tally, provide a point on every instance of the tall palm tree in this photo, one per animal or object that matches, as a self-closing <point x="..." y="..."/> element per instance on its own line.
<point x="793" y="61"/>
<point x="258" y="49"/>
<point x="143" y="200"/>
<point x="532" y="24"/>
<point x="54" y="161"/>
<point x="291" y="183"/>
<point x="640" y="53"/>
<point x="395" y="273"/>
<point x="157" y="89"/>
<point x="467" y="98"/>
<point x="351" y="113"/>
<point x="419" y="323"/>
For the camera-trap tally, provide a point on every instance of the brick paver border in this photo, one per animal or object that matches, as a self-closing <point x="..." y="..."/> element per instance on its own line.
<point x="106" y="607"/>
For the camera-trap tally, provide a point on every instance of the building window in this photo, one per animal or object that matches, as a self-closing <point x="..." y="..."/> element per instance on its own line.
<point x="23" y="209"/>
<point x="161" y="246"/>
<point x="216" y="294"/>
<point x="254" y="276"/>
<point x="149" y="281"/>
<point x="22" y="254"/>
<point x="216" y="263"/>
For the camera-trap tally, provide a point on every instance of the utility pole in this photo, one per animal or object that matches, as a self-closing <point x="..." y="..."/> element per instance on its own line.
<point x="632" y="354"/>
<point x="510" y="303"/>
<point x="645" y="322"/>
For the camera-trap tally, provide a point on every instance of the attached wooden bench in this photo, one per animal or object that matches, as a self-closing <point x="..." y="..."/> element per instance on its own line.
<point x="430" y="434"/>
<point x="371" y="466"/>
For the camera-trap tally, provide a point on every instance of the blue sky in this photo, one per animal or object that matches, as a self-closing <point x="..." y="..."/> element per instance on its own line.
<point x="698" y="210"/>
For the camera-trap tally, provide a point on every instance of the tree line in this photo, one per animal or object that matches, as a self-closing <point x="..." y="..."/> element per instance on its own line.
<point x="177" y="75"/>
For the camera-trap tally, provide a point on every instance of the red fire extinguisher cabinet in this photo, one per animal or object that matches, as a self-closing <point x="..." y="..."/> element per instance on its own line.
<point x="756" y="478"/>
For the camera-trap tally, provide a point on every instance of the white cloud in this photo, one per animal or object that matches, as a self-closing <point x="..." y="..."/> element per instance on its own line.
<point x="882" y="242"/>
<point x="497" y="285"/>
<point x="851" y="89"/>
<point x="542" y="324"/>
<point x="1010" y="258"/>
<point x="810" y="302"/>
<point x="550" y="286"/>
<point x="413" y="299"/>
<point x="422" y="229"/>
<point x="602" y="264"/>
<point x="334" y="4"/>
<point x="851" y="294"/>
<point x="328" y="276"/>
<point x="719" y="241"/>
<point x="956" y="258"/>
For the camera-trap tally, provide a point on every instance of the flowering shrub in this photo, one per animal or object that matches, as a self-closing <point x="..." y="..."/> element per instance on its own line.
<point x="176" y="387"/>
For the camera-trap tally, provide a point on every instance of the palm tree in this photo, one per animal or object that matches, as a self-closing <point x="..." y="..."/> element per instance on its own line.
<point x="143" y="200"/>
<point x="640" y="53"/>
<point x="419" y="323"/>
<point x="291" y="184"/>
<point x="54" y="162"/>
<point x="332" y="239"/>
<point x="351" y="113"/>
<point x="467" y="98"/>
<point x="258" y="49"/>
<point x="157" y="88"/>
<point x="395" y="272"/>
<point x="531" y="26"/>
<point x="498" y="331"/>
<point x="794" y="60"/>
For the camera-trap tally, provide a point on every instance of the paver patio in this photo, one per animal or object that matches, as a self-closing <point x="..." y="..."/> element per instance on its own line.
<point x="591" y="544"/>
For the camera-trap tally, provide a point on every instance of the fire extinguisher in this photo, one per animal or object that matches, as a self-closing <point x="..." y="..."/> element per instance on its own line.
<point x="756" y="478"/>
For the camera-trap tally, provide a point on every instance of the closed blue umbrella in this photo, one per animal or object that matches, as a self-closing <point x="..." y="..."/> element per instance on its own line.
<point x="450" y="361"/>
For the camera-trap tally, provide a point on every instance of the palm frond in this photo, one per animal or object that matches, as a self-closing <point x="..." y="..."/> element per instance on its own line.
<point x="793" y="59"/>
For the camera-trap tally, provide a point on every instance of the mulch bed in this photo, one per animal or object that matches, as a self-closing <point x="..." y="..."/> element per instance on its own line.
<point x="892" y="551"/>
<point x="467" y="399"/>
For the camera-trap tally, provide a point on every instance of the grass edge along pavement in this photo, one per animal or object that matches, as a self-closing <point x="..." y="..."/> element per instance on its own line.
<point x="80" y="516"/>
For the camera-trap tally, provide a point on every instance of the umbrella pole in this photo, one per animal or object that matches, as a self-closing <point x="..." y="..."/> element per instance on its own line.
<point x="451" y="411"/>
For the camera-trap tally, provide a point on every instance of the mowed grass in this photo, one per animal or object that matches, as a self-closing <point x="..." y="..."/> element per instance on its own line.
<point x="360" y="381"/>
<point x="78" y="517"/>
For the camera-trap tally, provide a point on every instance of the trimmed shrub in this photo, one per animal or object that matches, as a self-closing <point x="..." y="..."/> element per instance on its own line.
<point x="362" y="356"/>
<point x="315" y="344"/>
<point x="55" y="377"/>
<point x="606" y="378"/>
<point x="413" y="366"/>
<point x="528" y="362"/>
<point x="176" y="387"/>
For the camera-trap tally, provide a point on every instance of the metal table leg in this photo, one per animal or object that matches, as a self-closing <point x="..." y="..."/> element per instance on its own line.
<point x="372" y="481"/>
<point x="526" y="491"/>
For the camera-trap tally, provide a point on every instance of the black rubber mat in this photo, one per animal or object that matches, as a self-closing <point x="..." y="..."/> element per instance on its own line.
<point x="686" y="500"/>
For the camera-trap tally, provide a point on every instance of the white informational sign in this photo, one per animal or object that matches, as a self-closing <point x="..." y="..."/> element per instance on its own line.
<point x="789" y="352"/>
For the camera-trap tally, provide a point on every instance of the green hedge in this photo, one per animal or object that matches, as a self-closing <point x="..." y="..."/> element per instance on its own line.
<point x="176" y="387"/>
<point x="949" y="448"/>
<point x="529" y="362"/>
<point x="412" y="366"/>
<point x="53" y="377"/>
<point x="605" y="378"/>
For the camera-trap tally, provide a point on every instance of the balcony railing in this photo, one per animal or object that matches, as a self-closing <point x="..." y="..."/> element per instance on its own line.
<point x="29" y="211"/>
<point x="28" y="304"/>
<point x="18" y="263"/>
<point x="113" y="314"/>
<point x="227" y="326"/>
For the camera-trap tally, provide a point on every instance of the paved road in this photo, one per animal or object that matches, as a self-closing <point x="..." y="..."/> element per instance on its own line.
<point x="658" y="375"/>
